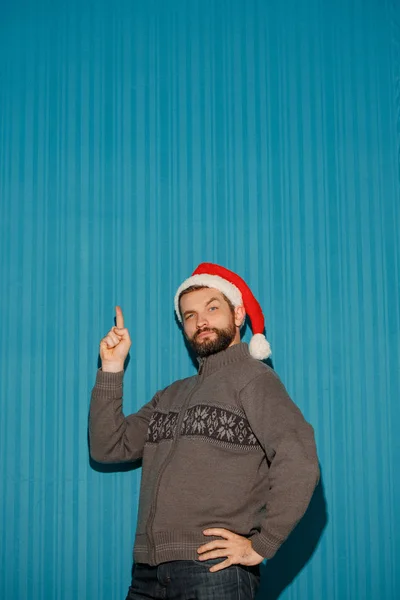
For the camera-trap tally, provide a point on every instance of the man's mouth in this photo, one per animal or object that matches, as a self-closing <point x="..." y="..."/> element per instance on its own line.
<point x="204" y="334"/>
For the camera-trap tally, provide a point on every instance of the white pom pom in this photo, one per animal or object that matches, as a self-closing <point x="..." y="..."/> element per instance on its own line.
<point x="259" y="347"/>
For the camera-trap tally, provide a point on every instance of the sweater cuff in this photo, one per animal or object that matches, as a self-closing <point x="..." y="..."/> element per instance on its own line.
<point x="109" y="381"/>
<point x="265" y="546"/>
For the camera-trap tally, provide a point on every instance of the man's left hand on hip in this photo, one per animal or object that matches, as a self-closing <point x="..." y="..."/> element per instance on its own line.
<point x="235" y="548"/>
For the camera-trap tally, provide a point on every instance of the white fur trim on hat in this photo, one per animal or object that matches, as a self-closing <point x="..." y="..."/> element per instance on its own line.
<point x="211" y="281"/>
<point x="259" y="347"/>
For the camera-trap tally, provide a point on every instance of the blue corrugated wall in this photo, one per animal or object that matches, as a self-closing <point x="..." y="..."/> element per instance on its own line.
<point x="138" y="139"/>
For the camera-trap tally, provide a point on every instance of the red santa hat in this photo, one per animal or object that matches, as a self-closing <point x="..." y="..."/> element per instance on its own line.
<point x="238" y="292"/>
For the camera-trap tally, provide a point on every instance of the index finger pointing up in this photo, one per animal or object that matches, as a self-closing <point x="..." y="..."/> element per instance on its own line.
<point x="120" y="317"/>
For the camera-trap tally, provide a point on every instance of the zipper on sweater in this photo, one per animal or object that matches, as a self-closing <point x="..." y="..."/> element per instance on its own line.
<point x="166" y="463"/>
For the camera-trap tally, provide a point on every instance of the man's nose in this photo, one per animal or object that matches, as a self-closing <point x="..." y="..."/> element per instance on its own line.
<point x="201" y="321"/>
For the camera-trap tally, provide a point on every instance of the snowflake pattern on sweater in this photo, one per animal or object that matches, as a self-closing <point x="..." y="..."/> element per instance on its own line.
<point x="205" y="421"/>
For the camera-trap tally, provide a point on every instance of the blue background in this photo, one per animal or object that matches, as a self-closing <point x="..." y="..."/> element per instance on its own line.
<point x="138" y="139"/>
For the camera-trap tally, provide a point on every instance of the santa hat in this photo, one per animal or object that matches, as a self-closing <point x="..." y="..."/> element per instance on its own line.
<point x="238" y="292"/>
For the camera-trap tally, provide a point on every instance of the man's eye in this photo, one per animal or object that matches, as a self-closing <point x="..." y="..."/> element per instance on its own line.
<point x="188" y="316"/>
<point x="213" y="307"/>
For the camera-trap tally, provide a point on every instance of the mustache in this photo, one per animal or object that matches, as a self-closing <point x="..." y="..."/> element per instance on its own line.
<point x="204" y="331"/>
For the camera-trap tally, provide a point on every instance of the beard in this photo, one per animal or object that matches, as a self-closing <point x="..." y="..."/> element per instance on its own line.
<point x="221" y="341"/>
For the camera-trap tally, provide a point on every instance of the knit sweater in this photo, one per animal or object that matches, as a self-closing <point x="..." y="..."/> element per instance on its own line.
<point x="225" y="448"/>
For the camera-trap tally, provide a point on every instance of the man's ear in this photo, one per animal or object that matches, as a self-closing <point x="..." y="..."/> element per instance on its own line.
<point x="240" y="315"/>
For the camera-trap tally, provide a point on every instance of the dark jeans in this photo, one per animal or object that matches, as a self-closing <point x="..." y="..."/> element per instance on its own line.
<point x="192" y="580"/>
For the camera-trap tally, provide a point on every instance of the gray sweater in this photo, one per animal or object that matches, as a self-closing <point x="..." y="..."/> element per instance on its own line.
<point x="224" y="448"/>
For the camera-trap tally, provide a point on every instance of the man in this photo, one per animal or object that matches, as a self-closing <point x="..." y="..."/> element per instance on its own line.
<point x="229" y="462"/>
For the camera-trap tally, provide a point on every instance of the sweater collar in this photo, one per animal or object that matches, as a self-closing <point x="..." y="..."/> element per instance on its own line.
<point x="214" y="362"/>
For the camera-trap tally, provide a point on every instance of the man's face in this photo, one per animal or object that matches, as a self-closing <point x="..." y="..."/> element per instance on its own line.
<point x="208" y="322"/>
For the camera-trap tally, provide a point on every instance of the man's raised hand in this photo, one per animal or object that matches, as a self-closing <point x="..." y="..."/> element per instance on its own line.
<point x="114" y="347"/>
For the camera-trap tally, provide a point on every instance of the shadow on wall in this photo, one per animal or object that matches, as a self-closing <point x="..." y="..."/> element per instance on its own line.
<point x="279" y="572"/>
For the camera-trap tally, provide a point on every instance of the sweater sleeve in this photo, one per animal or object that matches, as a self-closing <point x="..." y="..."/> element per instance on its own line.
<point x="114" y="438"/>
<point x="288" y="442"/>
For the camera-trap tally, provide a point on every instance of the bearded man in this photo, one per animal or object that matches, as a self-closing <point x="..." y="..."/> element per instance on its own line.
<point x="229" y="462"/>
